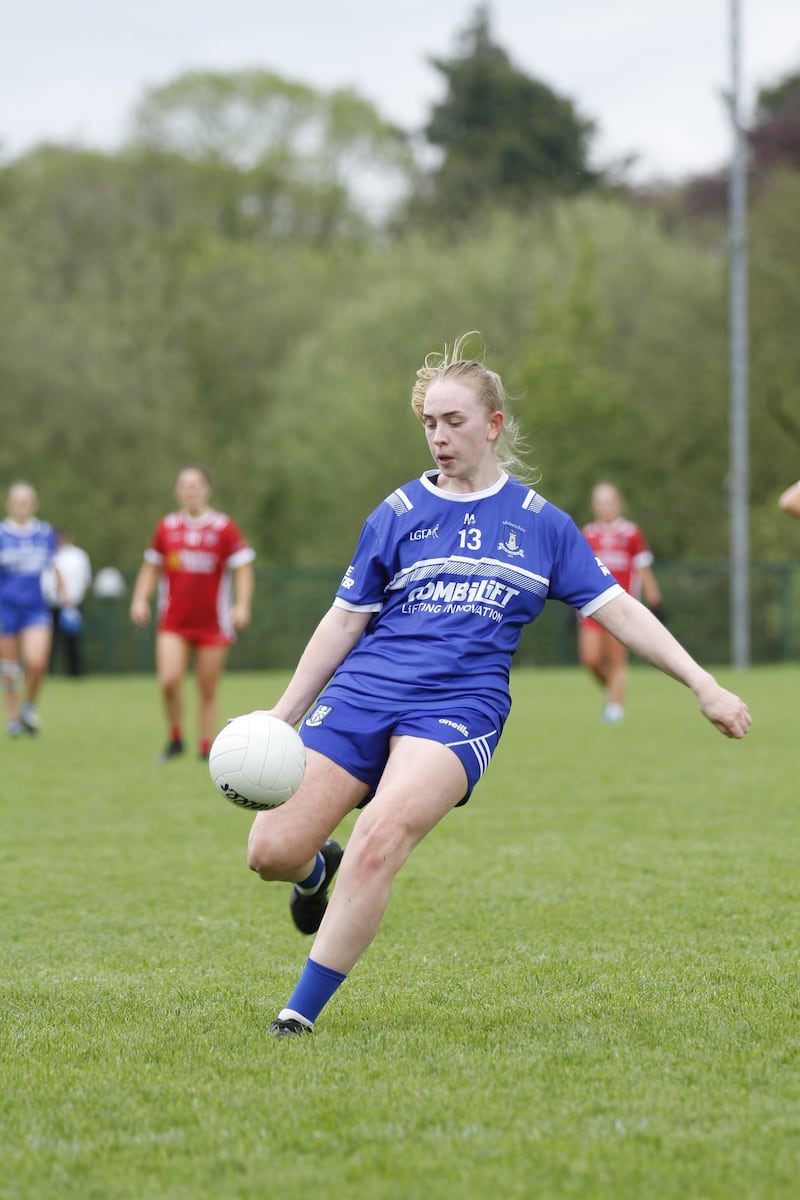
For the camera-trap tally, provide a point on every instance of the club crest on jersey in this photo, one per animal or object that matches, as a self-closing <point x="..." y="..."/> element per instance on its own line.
<point x="510" y="542"/>
<point x="318" y="715"/>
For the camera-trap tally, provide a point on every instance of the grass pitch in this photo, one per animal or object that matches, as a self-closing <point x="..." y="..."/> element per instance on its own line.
<point x="586" y="984"/>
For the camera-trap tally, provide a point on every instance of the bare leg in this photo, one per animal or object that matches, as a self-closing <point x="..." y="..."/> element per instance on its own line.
<point x="617" y="657"/>
<point x="591" y="650"/>
<point x="209" y="662"/>
<point x="422" y="781"/>
<point x="35" y="643"/>
<point x="9" y="652"/>
<point x="172" y="660"/>
<point x="607" y="659"/>
<point x="284" y="842"/>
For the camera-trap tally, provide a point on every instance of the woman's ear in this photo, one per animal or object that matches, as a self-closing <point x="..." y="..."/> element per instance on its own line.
<point x="496" y="425"/>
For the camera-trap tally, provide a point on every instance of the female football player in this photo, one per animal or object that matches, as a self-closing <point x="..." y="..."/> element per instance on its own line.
<point x="27" y="546"/>
<point x="403" y="689"/>
<point x="623" y="548"/>
<point x="192" y="556"/>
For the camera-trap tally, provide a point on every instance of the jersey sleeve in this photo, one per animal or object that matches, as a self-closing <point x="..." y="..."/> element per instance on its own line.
<point x="238" y="550"/>
<point x="578" y="577"/>
<point x="155" y="550"/>
<point x="364" y="582"/>
<point x="641" y="555"/>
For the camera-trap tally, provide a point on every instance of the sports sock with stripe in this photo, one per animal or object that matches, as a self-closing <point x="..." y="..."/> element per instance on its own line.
<point x="314" y="989"/>
<point x="313" y="882"/>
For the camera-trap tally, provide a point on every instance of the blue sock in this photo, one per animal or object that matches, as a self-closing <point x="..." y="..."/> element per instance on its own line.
<point x="312" y="882"/>
<point x="314" y="989"/>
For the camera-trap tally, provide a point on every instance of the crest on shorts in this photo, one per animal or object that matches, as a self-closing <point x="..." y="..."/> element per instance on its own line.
<point x="510" y="542"/>
<point x="318" y="715"/>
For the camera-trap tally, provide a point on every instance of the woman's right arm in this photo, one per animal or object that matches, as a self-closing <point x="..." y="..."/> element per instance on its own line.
<point x="328" y="646"/>
<point x="143" y="589"/>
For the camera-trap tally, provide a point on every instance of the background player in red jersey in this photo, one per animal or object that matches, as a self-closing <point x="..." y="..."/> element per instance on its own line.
<point x="192" y="557"/>
<point x="622" y="548"/>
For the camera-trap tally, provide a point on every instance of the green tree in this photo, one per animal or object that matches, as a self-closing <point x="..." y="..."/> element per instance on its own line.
<point x="151" y="314"/>
<point x="136" y="333"/>
<point x="774" y="359"/>
<point x="301" y="154"/>
<point x="775" y="98"/>
<point x="609" y="330"/>
<point x="505" y="138"/>
<point x="775" y="136"/>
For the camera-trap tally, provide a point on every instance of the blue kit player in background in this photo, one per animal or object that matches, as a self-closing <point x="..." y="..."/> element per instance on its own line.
<point x="27" y="546"/>
<point x="403" y="689"/>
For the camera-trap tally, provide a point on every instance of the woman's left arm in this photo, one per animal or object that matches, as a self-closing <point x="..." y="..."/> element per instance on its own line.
<point x="243" y="586"/>
<point x="636" y="627"/>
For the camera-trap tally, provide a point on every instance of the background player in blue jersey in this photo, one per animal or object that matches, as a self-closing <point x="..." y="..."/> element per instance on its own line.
<point x="403" y="688"/>
<point x="27" y="545"/>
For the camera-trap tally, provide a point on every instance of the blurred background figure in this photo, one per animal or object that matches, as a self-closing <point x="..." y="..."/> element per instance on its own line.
<point x="192" y="557"/>
<point x="27" y="546"/>
<point x="622" y="548"/>
<point x="789" y="501"/>
<point x="109" y="584"/>
<point x="75" y="569"/>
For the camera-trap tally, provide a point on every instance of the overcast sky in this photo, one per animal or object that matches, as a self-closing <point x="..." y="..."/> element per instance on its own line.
<point x="651" y="73"/>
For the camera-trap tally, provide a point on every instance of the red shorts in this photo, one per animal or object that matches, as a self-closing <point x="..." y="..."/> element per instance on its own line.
<point x="588" y="624"/>
<point x="200" y="636"/>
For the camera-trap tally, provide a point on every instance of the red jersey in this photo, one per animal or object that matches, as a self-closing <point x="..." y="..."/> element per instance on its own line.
<point x="621" y="546"/>
<point x="196" y="556"/>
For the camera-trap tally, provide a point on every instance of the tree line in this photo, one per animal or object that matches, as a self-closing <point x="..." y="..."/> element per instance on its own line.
<point x="253" y="279"/>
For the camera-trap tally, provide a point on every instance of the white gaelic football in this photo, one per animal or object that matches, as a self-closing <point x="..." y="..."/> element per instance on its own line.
<point x="257" y="761"/>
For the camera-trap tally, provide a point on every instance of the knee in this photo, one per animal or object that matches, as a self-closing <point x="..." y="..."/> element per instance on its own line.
<point x="261" y="856"/>
<point x="36" y="664"/>
<point x="9" y="673"/>
<point x="590" y="657"/>
<point x="378" y="846"/>
<point x="273" y="857"/>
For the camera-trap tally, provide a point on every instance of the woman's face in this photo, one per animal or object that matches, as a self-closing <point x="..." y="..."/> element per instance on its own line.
<point x="192" y="491"/>
<point x="461" y="433"/>
<point x="21" y="503"/>
<point x="606" y="502"/>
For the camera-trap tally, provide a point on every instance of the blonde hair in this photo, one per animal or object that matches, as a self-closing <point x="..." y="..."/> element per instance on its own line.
<point x="511" y="446"/>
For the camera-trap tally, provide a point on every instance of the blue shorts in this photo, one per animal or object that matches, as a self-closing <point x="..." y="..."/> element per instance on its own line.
<point x="13" y="618"/>
<point x="358" y="738"/>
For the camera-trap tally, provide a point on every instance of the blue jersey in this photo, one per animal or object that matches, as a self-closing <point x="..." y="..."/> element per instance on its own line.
<point x="25" y="550"/>
<point x="452" y="579"/>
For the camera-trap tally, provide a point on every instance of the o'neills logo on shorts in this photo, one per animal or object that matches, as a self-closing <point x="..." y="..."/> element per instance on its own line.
<point x="318" y="715"/>
<point x="457" y="725"/>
